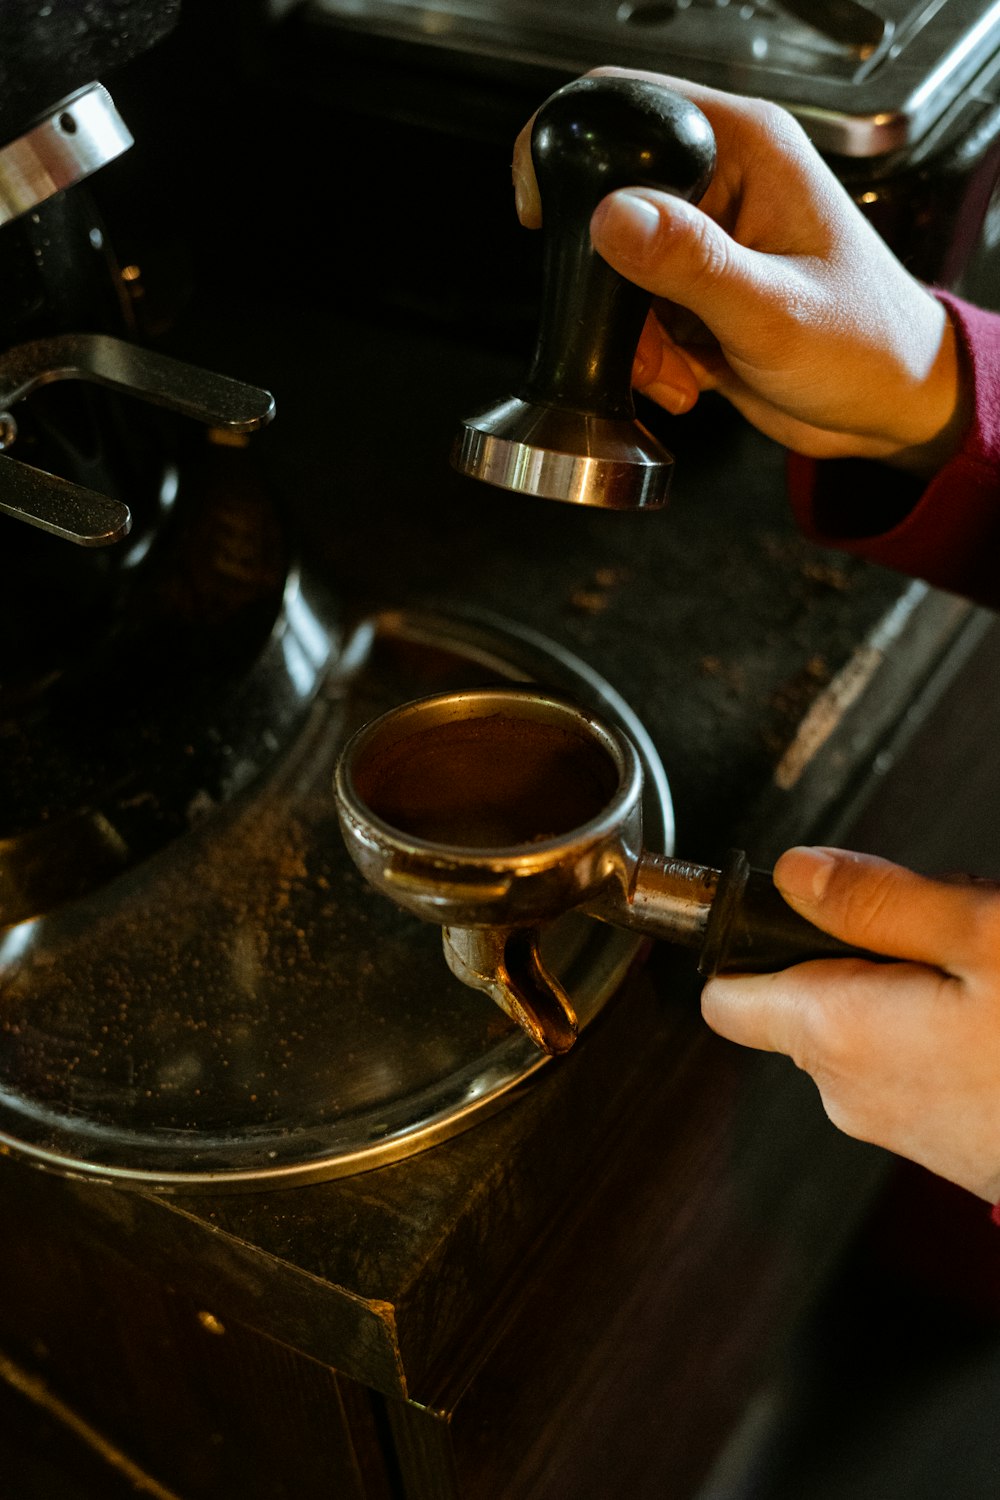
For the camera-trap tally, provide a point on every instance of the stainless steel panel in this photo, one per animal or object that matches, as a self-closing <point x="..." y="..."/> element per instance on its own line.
<point x="856" y="97"/>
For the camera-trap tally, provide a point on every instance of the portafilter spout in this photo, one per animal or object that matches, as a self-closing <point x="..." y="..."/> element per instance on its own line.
<point x="570" y="432"/>
<point x="493" y="812"/>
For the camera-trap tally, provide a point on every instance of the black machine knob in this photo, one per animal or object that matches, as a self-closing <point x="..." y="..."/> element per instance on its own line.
<point x="570" y="432"/>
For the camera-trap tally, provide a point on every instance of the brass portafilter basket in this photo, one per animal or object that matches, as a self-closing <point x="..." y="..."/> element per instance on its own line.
<point x="494" y="812"/>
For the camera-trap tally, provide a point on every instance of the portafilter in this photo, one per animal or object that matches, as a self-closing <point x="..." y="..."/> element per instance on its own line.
<point x="493" y="812"/>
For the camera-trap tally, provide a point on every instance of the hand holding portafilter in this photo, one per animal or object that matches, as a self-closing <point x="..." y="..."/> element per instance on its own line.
<point x="494" y="812"/>
<point x="570" y="433"/>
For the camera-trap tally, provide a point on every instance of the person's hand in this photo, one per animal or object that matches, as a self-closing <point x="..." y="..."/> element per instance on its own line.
<point x="905" y="1055"/>
<point x="777" y="292"/>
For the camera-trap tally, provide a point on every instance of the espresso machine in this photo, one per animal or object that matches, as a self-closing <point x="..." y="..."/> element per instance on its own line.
<point x="162" y="648"/>
<point x="290" y="1208"/>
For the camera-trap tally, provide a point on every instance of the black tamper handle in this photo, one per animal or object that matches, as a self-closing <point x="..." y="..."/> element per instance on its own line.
<point x="751" y="929"/>
<point x="589" y="138"/>
<point x="570" y="432"/>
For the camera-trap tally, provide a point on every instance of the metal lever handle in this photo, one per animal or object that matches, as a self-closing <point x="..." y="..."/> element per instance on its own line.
<point x="69" y="510"/>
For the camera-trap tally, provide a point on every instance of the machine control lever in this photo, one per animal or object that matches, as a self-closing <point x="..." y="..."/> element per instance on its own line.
<point x="70" y="510"/>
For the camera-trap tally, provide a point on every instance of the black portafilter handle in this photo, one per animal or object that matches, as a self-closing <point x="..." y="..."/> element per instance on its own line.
<point x="751" y="929"/>
<point x="570" y="432"/>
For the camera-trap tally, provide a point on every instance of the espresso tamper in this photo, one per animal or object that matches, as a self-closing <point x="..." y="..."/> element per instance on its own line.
<point x="494" y="812"/>
<point x="570" y="432"/>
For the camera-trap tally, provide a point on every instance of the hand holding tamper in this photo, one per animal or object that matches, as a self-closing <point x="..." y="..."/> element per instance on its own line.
<point x="496" y="811"/>
<point x="570" y="432"/>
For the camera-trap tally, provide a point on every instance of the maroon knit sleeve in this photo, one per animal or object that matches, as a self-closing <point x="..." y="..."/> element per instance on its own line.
<point x="948" y="532"/>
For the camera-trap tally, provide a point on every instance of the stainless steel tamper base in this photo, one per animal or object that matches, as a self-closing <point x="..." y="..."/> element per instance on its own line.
<point x="559" y="454"/>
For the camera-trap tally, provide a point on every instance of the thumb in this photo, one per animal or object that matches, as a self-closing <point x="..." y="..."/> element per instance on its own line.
<point x="677" y="252"/>
<point x="874" y="904"/>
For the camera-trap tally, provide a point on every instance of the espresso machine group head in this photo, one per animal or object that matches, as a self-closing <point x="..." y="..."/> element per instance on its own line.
<point x="570" y="432"/>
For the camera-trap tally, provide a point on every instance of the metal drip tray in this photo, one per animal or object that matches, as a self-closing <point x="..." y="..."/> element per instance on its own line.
<point x="242" y="1009"/>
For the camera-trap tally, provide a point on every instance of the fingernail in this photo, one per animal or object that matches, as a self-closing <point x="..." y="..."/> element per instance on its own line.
<point x="643" y="370"/>
<point x="632" y="218"/>
<point x="671" y="398"/>
<point x="804" y="873"/>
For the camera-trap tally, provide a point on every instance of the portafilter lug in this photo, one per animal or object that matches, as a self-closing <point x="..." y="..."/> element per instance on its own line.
<point x="495" y="811"/>
<point x="570" y="432"/>
<point x="70" y="510"/>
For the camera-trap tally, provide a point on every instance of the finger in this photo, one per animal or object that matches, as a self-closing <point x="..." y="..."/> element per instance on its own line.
<point x="699" y="93"/>
<point x="791" y="1011"/>
<point x="711" y="101"/>
<point x="526" y="197"/>
<point x="900" y="1056"/>
<point x="661" y="371"/>
<point x="748" y="132"/>
<point x="874" y="904"/>
<point x="673" y="376"/>
<point x="677" y="252"/>
<point x="740" y="122"/>
<point x="711" y="371"/>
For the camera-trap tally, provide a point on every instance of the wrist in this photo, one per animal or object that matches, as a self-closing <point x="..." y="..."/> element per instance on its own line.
<point x="935" y="424"/>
